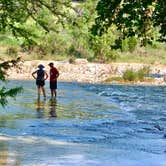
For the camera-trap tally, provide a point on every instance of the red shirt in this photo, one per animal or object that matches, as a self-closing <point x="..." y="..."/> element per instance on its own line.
<point x="53" y="74"/>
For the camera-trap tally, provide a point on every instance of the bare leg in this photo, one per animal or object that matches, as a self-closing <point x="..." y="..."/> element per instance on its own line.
<point x="44" y="92"/>
<point x="38" y="92"/>
<point x="53" y="92"/>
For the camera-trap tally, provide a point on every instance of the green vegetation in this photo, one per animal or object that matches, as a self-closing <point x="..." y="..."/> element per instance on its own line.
<point x="98" y="30"/>
<point x="131" y="75"/>
<point x="4" y="92"/>
<point x="82" y="30"/>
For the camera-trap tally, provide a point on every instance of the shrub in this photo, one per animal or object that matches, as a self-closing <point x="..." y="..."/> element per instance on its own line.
<point x="142" y="73"/>
<point x="129" y="75"/>
<point x="129" y="44"/>
<point x="125" y="47"/>
<point x="132" y="43"/>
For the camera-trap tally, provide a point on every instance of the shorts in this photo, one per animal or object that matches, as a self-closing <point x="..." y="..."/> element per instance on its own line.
<point x="40" y="82"/>
<point x="53" y="85"/>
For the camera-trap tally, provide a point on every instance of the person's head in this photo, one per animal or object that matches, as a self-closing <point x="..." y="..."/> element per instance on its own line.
<point x="40" y="66"/>
<point x="51" y="64"/>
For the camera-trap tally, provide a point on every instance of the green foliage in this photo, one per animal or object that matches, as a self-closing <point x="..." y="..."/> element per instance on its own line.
<point x="142" y="73"/>
<point x="16" y="13"/>
<point x="4" y="92"/>
<point x="101" y="46"/>
<point x="132" y="18"/>
<point x="125" y="46"/>
<point x="114" y="79"/>
<point x="129" y="44"/>
<point x="132" y="43"/>
<point x="131" y="75"/>
<point x="78" y="30"/>
<point x="160" y="13"/>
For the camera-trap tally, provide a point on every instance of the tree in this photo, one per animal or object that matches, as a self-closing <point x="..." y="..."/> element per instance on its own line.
<point x="132" y="18"/>
<point x="15" y="13"/>
<point x="4" y="92"/>
<point x="160" y="18"/>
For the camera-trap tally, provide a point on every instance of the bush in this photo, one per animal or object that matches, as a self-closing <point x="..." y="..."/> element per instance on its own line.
<point x="101" y="45"/>
<point x="130" y="75"/>
<point x="125" y="47"/>
<point x="132" y="43"/>
<point x="142" y="73"/>
<point x="129" y="44"/>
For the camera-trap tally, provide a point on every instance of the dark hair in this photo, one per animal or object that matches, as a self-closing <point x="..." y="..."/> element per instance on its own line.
<point x="51" y="64"/>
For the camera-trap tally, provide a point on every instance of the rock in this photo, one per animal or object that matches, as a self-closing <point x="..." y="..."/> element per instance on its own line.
<point x="80" y="61"/>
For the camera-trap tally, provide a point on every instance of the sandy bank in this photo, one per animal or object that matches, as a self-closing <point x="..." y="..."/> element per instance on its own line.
<point x="83" y="71"/>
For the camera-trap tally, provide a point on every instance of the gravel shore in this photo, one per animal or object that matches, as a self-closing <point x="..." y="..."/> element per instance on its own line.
<point x="84" y="71"/>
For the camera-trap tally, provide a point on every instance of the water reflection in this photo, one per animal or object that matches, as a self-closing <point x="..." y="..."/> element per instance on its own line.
<point x="40" y="108"/>
<point x="52" y="107"/>
<point x="7" y="157"/>
<point x="46" y="109"/>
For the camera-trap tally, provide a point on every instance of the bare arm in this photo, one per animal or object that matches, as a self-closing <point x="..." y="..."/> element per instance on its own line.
<point x="57" y="74"/>
<point x="33" y="74"/>
<point x="46" y="75"/>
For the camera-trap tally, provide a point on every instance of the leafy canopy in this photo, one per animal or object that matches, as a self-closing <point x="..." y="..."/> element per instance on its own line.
<point x="132" y="17"/>
<point x="16" y="13"/>
<point x="4" y="92"/>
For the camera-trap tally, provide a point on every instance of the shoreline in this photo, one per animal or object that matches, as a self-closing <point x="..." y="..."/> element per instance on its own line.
<point x="83" y="71"/>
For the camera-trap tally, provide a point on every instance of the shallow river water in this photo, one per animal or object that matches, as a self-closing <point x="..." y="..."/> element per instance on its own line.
<point x="86" y="125"/>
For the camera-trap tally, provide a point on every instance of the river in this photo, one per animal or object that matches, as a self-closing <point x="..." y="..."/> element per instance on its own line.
<point x="86" y="125"/>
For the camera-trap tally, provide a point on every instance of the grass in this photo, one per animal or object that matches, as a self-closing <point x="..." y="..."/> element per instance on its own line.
<point x="146" y="55"/>
<point x="122" y="81"/>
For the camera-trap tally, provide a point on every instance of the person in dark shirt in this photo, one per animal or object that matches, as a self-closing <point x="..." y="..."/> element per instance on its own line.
<point x="40" y="76"/>
<point x="54" y="74"/>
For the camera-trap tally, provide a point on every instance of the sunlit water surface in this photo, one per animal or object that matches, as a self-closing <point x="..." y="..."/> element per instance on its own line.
<point x="87" y="125"/>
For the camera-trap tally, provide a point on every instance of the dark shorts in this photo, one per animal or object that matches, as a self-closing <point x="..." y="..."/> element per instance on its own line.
<point x="40" y="82"/>
<point x="53" y="85"/>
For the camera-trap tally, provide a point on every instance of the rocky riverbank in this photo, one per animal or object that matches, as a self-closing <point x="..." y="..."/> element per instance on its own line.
<point x="83" y="71"/>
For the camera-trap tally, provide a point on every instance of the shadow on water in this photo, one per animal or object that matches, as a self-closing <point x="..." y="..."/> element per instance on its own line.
<point x="52" y="107"/>
<point x="40" y="107"/>
<point x="49" y="107"/>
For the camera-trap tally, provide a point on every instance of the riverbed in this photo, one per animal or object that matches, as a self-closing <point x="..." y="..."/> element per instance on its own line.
<point x="86" y="125"/>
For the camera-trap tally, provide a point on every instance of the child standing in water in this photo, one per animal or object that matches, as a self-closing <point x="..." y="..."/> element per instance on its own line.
<point x="40" y="76"/>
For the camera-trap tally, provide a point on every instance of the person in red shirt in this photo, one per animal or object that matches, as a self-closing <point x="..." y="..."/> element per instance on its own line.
<point x="54" y="74"/>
